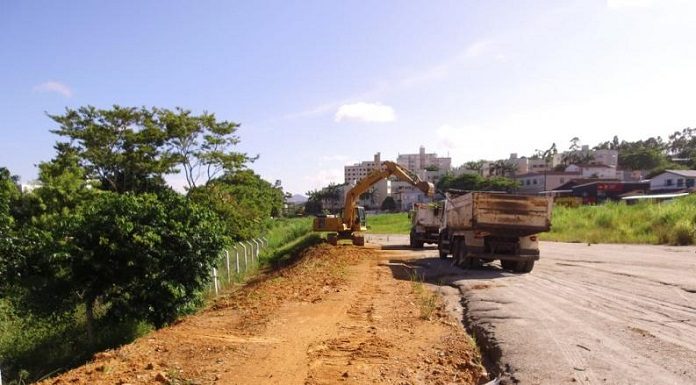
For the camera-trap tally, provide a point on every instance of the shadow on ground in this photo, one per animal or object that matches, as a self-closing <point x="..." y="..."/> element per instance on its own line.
<point x="406" y="247"/>
<point x="441" y="272"/>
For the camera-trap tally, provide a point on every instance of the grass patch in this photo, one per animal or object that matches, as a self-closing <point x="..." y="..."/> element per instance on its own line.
<point x="427" y="300"/>
<point x="33" y="347"/>
<point x="672" y="222"/>
<point x="393" y="223"/>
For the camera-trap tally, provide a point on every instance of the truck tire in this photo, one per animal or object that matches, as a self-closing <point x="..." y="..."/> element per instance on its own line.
<point x="414" y="241"/>
<point x="460" y="254"/>
<point x="359" y="240"/>
<point x="440" y="247"/>
<point x="332" y="239"/>
<point x="508" y="265"/>
<point x="470" y="263"/>
<point x="524" y="266"/>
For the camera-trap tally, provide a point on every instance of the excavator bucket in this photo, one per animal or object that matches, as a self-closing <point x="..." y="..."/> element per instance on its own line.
<point x="427" y="187"/>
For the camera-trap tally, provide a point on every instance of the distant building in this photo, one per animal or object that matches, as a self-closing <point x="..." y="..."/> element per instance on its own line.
<point x="593" y="191"/>
<point x="673" y="180"/>
<point x="360" y="170"/>
<point x="424" y="161"/>
<point x="544" y="181"/>
<point x="527" y="165"/>
<point x="593" y="170"/>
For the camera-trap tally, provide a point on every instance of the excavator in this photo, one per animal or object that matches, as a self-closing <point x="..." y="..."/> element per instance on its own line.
<point x="352" y="222"/>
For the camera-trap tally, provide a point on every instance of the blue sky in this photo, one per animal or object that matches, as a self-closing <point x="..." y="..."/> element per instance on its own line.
<point x="319" y="84"/>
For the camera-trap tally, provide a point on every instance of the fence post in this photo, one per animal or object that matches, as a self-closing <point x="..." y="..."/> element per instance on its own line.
<point x="215" y="280"/>
<point x="251" y="248"/>
<point x="258" y="249"/>
<point x="246" y="264"/>
<point x="229" y="273"/>
<point x="265" y="240"/>
<point x="236" y="259"/>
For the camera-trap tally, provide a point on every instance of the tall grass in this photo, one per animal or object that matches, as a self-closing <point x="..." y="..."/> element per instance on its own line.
<point x="395" y="223"/>
<point x="33" y="347"/>
<point x="671" y="222"/>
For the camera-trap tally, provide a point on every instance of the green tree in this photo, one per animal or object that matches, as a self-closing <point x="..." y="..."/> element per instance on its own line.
<point x="474" y="182"/>
<point x="475" y="165"/>
<point x="243" y="201"/>
<point x="388" y="204"/>
<point x="123" y="148"/>
<point x="143" y="256"/>
<point x="132" y="149"/>
<point x="203" y="145"/>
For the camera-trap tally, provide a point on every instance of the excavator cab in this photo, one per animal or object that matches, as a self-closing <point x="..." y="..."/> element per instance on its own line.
<point x="360" y="219"/>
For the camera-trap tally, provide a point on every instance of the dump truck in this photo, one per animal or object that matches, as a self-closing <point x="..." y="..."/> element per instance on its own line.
<point x="481" y="227"/>
<point x="426" y="221"/>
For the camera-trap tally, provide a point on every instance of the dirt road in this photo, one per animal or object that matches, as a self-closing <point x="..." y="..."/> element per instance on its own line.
<point x="599" y="314"/>
<point x="341" y="315"/>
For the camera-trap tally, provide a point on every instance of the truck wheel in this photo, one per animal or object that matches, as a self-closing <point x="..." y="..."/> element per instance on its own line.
<point x="359" y="240"/>
<point x="461" y="252"/>
<point x="332" y="239"/>
<point x="508" y="265"/>
<point x="524" y="266"/>
<point x="470" y="263"/>
<point x="454" y="250"/>
<point x="440" y="247"/>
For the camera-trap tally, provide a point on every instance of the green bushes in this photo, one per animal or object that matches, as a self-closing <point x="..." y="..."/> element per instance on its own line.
<point x="672" y="222"/>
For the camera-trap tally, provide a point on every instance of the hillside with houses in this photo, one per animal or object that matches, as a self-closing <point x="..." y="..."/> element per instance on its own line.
<point x="614" y="170"/>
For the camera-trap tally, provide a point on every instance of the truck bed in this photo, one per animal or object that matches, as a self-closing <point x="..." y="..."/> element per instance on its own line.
<point x="514" y="214"/>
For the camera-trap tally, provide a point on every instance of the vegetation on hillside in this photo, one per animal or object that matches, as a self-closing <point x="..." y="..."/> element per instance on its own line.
<point x="476" y="182"/>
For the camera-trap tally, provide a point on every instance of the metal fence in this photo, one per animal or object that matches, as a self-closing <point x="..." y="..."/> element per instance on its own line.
<point x="235" y="262"/>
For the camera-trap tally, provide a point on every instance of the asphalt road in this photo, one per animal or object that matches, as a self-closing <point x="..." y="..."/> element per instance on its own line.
<point x="587" y="314"/>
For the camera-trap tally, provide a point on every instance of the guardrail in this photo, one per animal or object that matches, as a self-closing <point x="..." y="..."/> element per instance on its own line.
<point x="235" y="262"/>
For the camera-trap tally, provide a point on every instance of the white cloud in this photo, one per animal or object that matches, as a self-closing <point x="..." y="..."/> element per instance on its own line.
<point x="334" y="158"/>
<point x="459" y="142"/>
<point x="365" y="112"/>
<point x="618" y="4"/>
<point x="479" y="48"/>
<point x="54" y="86"/>
<point x="322" y="178"/>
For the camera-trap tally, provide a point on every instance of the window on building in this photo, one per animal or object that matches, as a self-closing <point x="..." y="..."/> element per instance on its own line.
<point x="668" y="182"/>
<point x="680" y="182"/>
<point x="528" y="182"/>
<point x="534" y="181"/>
<point x="690" y="182"/>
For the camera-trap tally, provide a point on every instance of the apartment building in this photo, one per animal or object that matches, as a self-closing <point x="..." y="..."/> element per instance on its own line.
<point x="360" y="170"/>
<point x="424" y="161"/>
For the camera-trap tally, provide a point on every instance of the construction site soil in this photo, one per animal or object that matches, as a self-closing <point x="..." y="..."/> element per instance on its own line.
<point x="337" y="315"/>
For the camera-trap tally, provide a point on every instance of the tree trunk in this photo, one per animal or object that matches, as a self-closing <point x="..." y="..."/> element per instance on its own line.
<point x="89" y="314"/>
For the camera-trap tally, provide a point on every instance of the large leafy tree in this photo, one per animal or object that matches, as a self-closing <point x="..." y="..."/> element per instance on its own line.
<point x="123" y="148"/>
<point x="204" y="146"/>
<point x="243" y="201"/>
<point x="129" y="149"/>
<point x="143" y="256"/>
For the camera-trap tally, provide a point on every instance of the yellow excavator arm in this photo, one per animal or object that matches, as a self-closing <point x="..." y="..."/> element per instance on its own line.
<point x="350" y="222"/>
<point x="388" y="169"/>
